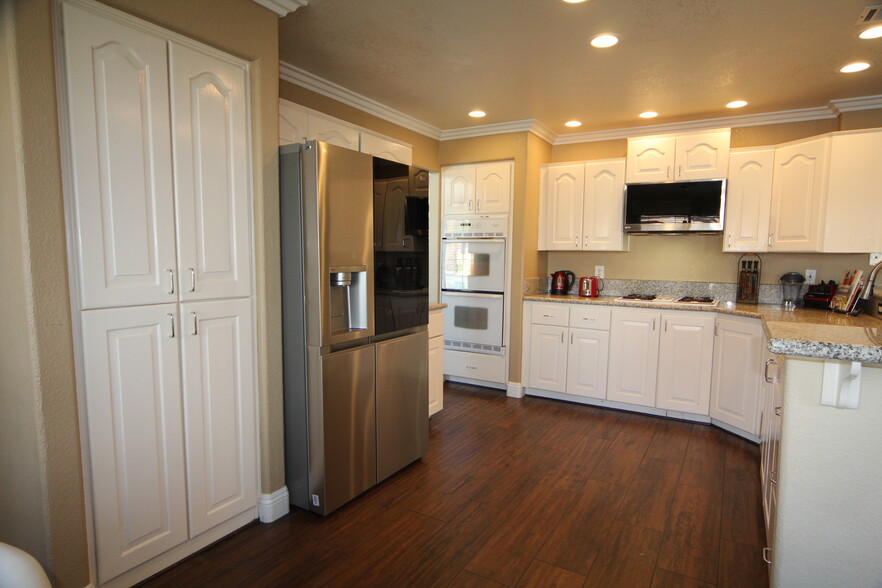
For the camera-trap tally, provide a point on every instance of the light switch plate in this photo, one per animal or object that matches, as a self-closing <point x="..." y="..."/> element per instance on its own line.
<point x="875" y="258"/>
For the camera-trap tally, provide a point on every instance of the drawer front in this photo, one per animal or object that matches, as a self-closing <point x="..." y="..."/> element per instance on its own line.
<point x="436" y="323"/>
<point x="555" y="315"/>
<point x="474" y="365"/>
<point x="590" y="317"/>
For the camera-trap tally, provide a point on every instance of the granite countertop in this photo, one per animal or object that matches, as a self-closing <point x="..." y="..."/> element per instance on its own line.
<point x="437" y="306"/>
<point x="805" y="332"/>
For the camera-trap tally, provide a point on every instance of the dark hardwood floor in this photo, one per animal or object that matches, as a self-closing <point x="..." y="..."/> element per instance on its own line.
<point x="529" y="492"/>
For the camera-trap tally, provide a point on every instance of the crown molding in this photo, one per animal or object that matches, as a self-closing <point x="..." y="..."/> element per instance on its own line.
<point x="282" y="7"/>
<point x="851" y="104"/>
<point x="528" y="125"/>
<point x="304" y="79"/>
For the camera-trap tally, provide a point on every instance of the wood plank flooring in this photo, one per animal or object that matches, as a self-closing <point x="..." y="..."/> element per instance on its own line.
<point x="528" y="492"/>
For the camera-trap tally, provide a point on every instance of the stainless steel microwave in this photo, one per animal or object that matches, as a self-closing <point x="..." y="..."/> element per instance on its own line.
<point x="675" y="207"/>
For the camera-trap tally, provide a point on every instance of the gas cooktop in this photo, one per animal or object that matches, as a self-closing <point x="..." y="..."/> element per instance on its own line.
<point x="690" y="300"/>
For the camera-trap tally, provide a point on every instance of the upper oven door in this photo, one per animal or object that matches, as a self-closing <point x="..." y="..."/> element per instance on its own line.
<point x="475" y="265"/>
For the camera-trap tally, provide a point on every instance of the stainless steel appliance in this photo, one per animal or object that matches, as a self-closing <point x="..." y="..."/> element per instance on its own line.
<point x="353" y="415"/>
<point x="473" y="282"/>
<point x="675" y="207"/>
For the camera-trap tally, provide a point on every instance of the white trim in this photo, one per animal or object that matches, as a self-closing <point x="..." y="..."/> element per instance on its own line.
<point x="327" y="116"/>
<point x="282" y="7"/>
<point x="274" y="506"/>
<point x="515" y="390"/>
<point x="851" y="104"/>
<point x="304" y="79"/>
<point x="475" y="382"/>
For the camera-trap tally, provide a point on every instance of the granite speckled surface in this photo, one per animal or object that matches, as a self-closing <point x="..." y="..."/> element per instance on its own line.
<point x="804" y="332"/>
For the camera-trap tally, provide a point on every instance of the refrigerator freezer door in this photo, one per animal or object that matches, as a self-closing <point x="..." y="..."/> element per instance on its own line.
<point x="343" y="460"/>
<point x="402" y="402"/>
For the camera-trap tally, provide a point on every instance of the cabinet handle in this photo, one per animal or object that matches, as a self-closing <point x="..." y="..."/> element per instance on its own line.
<point x="680" y="171"/>
<point x="576" y="242"/>
<point x="729" y="241"/>
<point x="585" y="246"/>
<point x="561" y="337"/>
<point x="171" y="320"/>
<point x="470" y="204"/>
<point x="548" y="315"/>
<point x="716" y="329"/>
<point x="192" y="279"/>
<point x="767" y="552"/>
<point x="195" y="324"/>
<point x="478" y="204"/>
<point x="404" y="243"/>
<point x="653" y="324"/>
<point x="171" y="281"/>
<point x="666" y="326"/>
<point x="773" y="477"/>
<point x="766" y="371"/>
<point x="571" y="338"/>
<point x="668" y="172"/>
<point x="769" y="241"/>
<point x="471" y="367"/>
<point x="777" y="411"/>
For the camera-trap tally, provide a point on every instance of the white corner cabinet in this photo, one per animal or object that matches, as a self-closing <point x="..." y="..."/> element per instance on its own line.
<point x="695" y="365"/>
<point x="436" y="361"/>
<point x="581" y="206"/>
<point x="298" y="124"/>
<point x="160" y="216"/>
<point x="820" y="194"/>
<point x="694" y="156"/>
<point x="480" y="188"/>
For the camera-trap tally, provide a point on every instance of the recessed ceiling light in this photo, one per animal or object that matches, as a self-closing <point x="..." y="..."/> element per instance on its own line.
<point x="871" y="33"/>
<point x="853" y="67"/>
<point x="604" y="40"/>
<point x="573" y="123"/>
<point x="648" y="114"/>
<point x="477" y="114"/>
<point x="574" y="1"/>
<point x="737" y="104"/>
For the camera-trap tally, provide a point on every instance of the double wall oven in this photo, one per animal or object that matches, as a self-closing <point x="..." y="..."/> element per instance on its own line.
<point x="473" y="282"/>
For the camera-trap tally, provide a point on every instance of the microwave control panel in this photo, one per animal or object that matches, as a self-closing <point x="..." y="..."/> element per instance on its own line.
<point x="484" y="226"/>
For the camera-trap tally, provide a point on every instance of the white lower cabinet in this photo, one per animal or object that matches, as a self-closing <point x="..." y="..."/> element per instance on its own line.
<point x="685" y="357"/>
<point x="737" y="374"/>
<point x="587" y="363"/>
<point x="436" y="362"/>
<point x="548" y="358"/>
<point x="633" y="356"/>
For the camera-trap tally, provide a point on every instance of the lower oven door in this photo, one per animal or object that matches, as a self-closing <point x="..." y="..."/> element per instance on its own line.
<point x="473" y="322"/>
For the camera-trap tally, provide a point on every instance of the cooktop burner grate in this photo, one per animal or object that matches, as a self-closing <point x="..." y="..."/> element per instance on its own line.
<point x="634" y="296"/>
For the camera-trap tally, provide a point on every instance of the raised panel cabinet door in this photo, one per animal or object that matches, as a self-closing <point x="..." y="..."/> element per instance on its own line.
<point x="548" y="358"/>
<point x="587" y="363"/>
<point x="564" y="194"/>
<point x="748" y="200"/>
<point x="685" y="361"/>
<point x="493" y="187"/>
<point x="604" y="206"/>
<point x="798" y="190"/>
<point x="293" y="123"/>
<point x="219" y="399"/>
<point x="436" y="374"/>
<point x="737" y="387"/>
<point x="650" y="160"/>
<point x="134" y="418"/>
<point x="633" y="357"/>
<point x="703" y="156"/>
<point x="120" y="150"/>
<point x="458" y="190"/>
<point x="333" y="131"/>
<point x="212" y="175"/>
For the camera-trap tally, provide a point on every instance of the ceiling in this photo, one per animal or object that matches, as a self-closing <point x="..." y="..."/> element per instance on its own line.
<point x="436" y="60"/>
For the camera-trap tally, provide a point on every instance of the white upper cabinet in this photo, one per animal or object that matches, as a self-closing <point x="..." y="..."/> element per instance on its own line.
<point x="604" y="206"/>
<point x="651" y="160"/>
<point x="684" y="363"/>
<point x="219" y="403"/>
<point x="798" y="191"/>
<point x="493" y="187"/>
<point x="748" y="199"/>
<point x="696" y="156"/>
<point x="563" y="196"/>
<point x="209" y="109"/>
<point x="117" y="94"/>
<point x="481" y="188"/>
<point x="293" y="123"/>
<point x="581" y="206"/>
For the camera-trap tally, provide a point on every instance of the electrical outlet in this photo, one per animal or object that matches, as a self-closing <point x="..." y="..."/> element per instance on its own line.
<point x="875" y="258"/>
<point x="598" y="271"/>
<point x="811" y="277"/>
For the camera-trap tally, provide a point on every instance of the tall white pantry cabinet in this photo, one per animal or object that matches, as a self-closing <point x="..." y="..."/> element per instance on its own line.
<point x="160" y="220"/>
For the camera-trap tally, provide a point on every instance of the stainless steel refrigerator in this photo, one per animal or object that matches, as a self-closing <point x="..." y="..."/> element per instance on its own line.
<point x="356" y="396"/>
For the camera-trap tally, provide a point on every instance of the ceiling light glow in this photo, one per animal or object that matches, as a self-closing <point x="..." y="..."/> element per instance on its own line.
<point x="477" y="114"/>
<point x="648" y="114"/>
<point x="871" y="33"/>
<point x="574" y="1"/>
<point x="853" y="67"/>
<point x="573" y="123"/>
<point x="737" y="104"/>
<point x="604" y="40"/>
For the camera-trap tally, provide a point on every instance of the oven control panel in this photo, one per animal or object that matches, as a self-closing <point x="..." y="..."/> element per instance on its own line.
<point x="486" y="226"/>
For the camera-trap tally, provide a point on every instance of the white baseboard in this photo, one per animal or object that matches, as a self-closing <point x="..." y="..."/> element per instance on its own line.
<point x="274" y="506"/>
<point x="514" y="390"/>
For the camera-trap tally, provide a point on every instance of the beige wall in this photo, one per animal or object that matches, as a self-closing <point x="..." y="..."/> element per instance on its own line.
<point x="240" y="27"/>
<point x="425" y="149"/>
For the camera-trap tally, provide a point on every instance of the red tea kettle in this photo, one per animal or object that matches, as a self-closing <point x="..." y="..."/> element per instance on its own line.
<point x="561" y="282"/>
